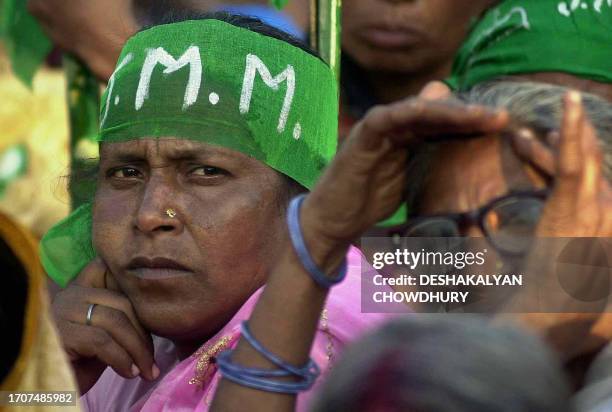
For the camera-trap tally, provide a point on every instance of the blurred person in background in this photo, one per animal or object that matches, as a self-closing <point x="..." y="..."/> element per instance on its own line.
<point x="392" y="49"/>
<point x="462" y="363"/>
<point x="33" y="358"/>
<point x="77" y="27"/>
<point x="33" y="149"/>
<point x="547" y="41"/>
<point x="596" y="394"/>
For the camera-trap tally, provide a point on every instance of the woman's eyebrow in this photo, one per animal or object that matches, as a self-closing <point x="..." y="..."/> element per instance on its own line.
<point x="175" y="154"/>
<point x="123" y="157"/>
<point x="189" y="154"/>
<point x="200" y="154"/>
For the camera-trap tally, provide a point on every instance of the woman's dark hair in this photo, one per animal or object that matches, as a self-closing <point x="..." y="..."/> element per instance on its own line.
<point x="156" y="16"/>
<point x="429" y="363"/>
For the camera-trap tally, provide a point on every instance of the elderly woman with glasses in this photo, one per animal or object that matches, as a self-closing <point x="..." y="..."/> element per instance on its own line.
<point x="539" y="166"/>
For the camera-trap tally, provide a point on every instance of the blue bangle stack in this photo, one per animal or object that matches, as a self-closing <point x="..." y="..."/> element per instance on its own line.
<point x="263" y="379"/>
<point x="297" y="239"/>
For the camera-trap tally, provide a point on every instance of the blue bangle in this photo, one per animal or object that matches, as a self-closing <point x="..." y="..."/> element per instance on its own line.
<point x="245" y="377"/>
<point x="254" y="372"/>
<point x="297" y="239"/>
<point x="259" y="378"/>
<point x="310" y="370"/>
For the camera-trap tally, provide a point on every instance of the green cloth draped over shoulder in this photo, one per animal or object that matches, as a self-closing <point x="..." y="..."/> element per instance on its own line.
<point x="210" y="81"/>
<point x="520" y="37"/>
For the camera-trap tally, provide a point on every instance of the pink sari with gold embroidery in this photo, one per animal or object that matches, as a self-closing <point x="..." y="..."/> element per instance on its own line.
<point x="190" y="384"/>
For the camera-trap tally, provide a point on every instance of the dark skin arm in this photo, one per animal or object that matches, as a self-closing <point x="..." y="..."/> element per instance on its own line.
<point x="95" y="31"/>
<point x="363" y="185"/>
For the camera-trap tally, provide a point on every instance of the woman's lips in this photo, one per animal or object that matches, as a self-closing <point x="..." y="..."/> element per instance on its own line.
<point x="157" y="268"/>
<point x="388" y="38"/>
<point x="147" y="273"/>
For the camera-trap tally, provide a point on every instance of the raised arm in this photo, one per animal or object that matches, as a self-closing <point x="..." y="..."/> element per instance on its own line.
<point x="363" y="185"/>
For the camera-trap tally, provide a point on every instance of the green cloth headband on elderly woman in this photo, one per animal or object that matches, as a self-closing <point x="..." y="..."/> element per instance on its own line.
<point x="530" y="36"/>
<point x="213" y="82"/>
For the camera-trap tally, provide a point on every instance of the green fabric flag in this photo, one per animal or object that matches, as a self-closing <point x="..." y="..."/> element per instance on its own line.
<point x="67" y="248"/>
<point x="521" y="37"/>
<point x="26" y="44"/>
<point x="210" y="81"/>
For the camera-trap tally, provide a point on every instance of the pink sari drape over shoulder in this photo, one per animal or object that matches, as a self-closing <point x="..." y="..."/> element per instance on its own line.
<point x="190" y="384"/>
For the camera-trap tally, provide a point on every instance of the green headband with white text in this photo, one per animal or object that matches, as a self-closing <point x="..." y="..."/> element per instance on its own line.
<point x="213" y="82"/>
<point x="521" y="37"/>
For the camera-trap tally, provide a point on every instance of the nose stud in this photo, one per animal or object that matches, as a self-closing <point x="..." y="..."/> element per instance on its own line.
<point x="171" y="213"/>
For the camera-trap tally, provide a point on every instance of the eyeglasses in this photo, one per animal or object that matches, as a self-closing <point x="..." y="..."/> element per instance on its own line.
<point x="507" y="222"/>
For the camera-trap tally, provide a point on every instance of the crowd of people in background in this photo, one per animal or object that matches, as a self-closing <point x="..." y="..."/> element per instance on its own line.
<point x="218" y="265"/>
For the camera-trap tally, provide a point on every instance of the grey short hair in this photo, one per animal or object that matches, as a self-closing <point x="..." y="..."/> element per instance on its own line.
<point x="462" y="363"/>
<point x="540" y="107"/>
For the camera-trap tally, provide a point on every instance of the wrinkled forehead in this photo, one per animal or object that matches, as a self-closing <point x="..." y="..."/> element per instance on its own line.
<point x="485" y="159"/>
<point x="172" y="148"/>
<point x="466" y="174"/>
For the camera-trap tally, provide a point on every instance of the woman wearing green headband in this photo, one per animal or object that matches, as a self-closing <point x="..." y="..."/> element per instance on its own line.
<point x="208" y="128"/>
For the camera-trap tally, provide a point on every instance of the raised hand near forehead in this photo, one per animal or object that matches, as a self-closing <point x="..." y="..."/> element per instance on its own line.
<point x="580" y="204"/>
<point x="99" y="328"/>
<point x="366" y="180"/>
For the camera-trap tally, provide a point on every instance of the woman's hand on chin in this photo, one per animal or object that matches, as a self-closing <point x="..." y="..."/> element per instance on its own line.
<point x="365" y="182"/>
<point x="113" y="337"/>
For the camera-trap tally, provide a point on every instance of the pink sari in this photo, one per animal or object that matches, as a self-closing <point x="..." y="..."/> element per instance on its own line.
<point x="191" y="384"/>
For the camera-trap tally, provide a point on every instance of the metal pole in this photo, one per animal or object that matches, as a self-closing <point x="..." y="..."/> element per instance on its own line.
<point x="325" y="31"/>
<point x="83" y="95"/>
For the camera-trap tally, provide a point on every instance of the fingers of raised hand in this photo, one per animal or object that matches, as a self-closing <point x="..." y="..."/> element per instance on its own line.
<point x="407" y="120"/>
<point x="533" y="151"/>
<point x="579" y="163"/>
<point x="435" y="90"/>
